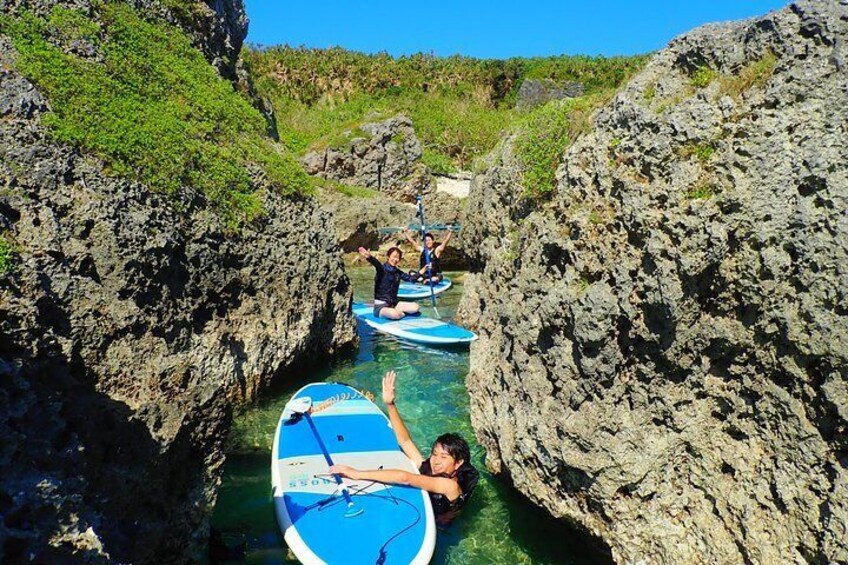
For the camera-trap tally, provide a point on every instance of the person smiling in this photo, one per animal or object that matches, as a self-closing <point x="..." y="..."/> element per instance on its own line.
<point x="386" y="283"/>
<point x="447" y="474"/>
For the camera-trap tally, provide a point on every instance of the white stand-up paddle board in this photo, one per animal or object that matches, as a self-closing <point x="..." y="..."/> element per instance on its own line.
<point x="357" y="522"/>
<point x="416" y="291"/>
<point x="415" y="328"/>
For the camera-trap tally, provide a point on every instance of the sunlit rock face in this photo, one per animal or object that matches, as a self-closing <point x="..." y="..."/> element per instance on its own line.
<point x="663" y="353"/>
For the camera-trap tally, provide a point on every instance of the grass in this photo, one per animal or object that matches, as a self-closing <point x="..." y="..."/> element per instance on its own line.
<point x="650" y="92"/>
<point x="7" y="255"/>
<point x="703" y="151"/>
<point x="460" y="107"/>
<point x="153" y="110"/>
<point x="754" y="74"/>
<point x="701" y="191"/>
<point x="545" y="135"/>
<point x="352" y="191"/>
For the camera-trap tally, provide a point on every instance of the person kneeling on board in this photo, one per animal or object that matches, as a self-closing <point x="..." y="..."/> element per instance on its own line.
<point x="386" y="283"/>
<point x="435" y="254"/>
<point x="447" y="475"/>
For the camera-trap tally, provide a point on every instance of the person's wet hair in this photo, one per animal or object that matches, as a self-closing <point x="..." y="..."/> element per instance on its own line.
<point x="392" y="250"/>
<point x="455" y="446"/>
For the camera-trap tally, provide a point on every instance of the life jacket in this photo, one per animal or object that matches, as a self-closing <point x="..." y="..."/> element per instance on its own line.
<point x="435" y="262"/>
<point x="445" y="510"/>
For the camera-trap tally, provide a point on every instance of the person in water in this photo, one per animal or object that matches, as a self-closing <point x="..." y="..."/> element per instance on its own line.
<point x="386" y="284"/>
<point x="433" y="251"/>
<point x="447" y="474"/>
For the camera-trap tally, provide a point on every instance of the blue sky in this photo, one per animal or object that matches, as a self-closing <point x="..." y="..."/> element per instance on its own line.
<point x="489" y="29"/>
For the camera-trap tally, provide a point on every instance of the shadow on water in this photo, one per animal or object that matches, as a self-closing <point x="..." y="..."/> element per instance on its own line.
<point x="498" y="526"/>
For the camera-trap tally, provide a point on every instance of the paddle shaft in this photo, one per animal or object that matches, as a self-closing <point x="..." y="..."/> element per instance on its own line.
<point x="327" y="458"/>
<point x="427" y="258"/>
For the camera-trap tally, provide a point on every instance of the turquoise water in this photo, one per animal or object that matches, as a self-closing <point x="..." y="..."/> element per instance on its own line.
<point x="497" y="526"/>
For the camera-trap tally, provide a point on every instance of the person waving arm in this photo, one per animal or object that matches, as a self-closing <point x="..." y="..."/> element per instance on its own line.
<point x="441" y="247"/>
<point x="416" y="244"/>
<point x="365" y="254"/>
<point x="401" y="433"/>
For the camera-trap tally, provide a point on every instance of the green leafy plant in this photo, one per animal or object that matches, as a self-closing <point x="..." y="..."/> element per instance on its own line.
<point x="702" y="77"/>
<point x="701" y="191"/>
<point x="703" y="151"/>
<point x="353" y="191"/>
<point x="7" y="255"/>
<point x="460" y="106"/>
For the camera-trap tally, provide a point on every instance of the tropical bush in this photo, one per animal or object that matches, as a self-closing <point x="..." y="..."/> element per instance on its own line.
<point x="460" y="106"/>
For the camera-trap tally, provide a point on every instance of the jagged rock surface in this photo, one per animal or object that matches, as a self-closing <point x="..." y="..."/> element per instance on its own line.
<point x="128" y="329"/>
<point x="663" y="353"/>
<point x="383" y="155"/>
<point x="535" y="92"/>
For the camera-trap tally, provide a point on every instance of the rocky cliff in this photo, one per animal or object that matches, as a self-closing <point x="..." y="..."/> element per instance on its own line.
<point x="663" y="353"/>
<point x="131" y="322"/>
<point x="384" y="156"/>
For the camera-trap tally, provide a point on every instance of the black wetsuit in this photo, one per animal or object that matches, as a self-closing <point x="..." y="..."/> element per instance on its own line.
<point x="445" y="510"/>
<point x="435" y="265"/>
<point x="386" y="285"/>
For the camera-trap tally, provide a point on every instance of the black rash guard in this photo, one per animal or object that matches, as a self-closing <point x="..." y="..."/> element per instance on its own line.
<point x="387" y="281"/>
<point x="445" y="510"/>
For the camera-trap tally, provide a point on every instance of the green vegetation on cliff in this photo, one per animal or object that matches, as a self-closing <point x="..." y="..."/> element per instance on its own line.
<point x="545" y="134"/>
<point x="461" y="107"/>
<point x="7" y="255"/>
<point x="147" y="102"/>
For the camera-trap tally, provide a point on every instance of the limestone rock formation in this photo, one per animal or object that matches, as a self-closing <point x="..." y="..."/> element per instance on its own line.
<point x="663" y="353"/>
<point x="383" y="155"/>
<point x="535" y="92"/>
<point x="357" y="222"/>
<point x="129" y="326"/>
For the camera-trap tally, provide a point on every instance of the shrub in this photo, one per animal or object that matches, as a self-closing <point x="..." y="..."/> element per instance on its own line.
<point x="460" y="106"/>
<point x="546" y="134"/>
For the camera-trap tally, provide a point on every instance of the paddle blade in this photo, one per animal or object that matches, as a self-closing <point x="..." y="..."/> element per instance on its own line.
<point x="353" y="511"/>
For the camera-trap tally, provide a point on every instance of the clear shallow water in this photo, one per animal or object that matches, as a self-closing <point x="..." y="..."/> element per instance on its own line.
<point x="497" y="526"/>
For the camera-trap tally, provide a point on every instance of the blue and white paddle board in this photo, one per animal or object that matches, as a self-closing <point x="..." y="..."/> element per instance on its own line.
<point x="395" y="525"/>
<point x="415" y="328"/>
<point x="415" y="291"/>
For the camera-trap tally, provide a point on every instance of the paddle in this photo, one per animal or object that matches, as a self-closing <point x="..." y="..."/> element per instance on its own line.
<point x="303" y="406"/>
<point x="416" y="227"/>
<point x="427" y="255"/>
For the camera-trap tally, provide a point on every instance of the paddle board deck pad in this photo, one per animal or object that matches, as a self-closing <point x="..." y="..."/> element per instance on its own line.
<point x="393" y="524"/>
<point x="418" y="328"/>
<point x="415" y="291"/>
